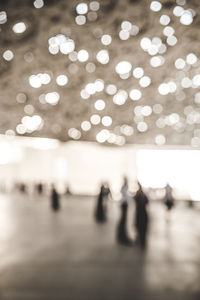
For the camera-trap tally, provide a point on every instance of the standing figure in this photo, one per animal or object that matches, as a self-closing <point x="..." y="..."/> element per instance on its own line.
<point x="100" y="211"/>
<point x="141" y="216"/>
<point x="55" y="202"/>
<point x="169" y="201"/>
<point x="122" y="235"/>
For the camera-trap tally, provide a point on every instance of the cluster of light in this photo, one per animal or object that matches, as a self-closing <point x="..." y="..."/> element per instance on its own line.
<point x="153" y="46"/>
<point x="52" y="98"/>
<point x="106" y="39"/>
<point x="8" y="55"/>
<point x="103" y="57"/>
<point x="61" y="80"/>
<point x="155" y="6"/>
<point x="135" y="94"/>
<point x="120" y="97"/>
<point x="36" y="81"/>
<point x="38" y="3"/>
<point x="99" y="104"/>
<point x="29" y="124"/>
<point x="186" y="16"/>
<point x="82" y="10"/>
<point x="127" y="29"/>
<point x="74" y="133"/>
<point x="61" y="43"/>
<point x="92" y="88"/>
<point x="83" y="55"/>
<point x="157" y="61"/>
<point x="123" y="68"/>
<point x="85" y="125"/>
<point x="19" y="27"/>
<point x="3" y="17"/>
<point x="107" y="136"/>
<point x="166" y="88"/>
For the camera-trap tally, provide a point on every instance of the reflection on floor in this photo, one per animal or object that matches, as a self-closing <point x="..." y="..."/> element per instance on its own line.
<point x="66" y="255"/>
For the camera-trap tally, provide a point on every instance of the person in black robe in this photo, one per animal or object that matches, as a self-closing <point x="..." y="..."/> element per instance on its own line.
<point x="141" y="216"/>
<point x="100" y="210"/>
<point x="169" y="200"/>
<point x="55" y="201"/>
<point x="122" y="235"/>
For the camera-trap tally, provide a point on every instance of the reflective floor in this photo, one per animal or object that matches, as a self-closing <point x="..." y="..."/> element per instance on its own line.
<point x="66" y="255"/>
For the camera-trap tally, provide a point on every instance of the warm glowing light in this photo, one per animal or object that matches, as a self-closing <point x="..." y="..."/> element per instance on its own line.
<point x="19" y="27"/>
<point x="82" y="8"/>
<point x="135" y="94"/>
<point x="8" y="55"/>
<point x="83" y="55"/>
<point x="62" y="80"/>
<point x="123" y="67"/>
<point x="52" y="98"/>
<point x="103" y="57"/>
<point x="99" y="104"/>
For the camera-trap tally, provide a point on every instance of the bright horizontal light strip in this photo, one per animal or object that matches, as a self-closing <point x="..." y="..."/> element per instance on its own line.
<point x="179" y="168"/>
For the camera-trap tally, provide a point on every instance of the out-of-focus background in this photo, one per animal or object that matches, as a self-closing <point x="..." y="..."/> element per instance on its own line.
<point x="99" y="149"/>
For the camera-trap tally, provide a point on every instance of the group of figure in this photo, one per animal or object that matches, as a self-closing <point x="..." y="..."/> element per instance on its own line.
<point x="141" y="218"/>
<point x="141" y="214"/>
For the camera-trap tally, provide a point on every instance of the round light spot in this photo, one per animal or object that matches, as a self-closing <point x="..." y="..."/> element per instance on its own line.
<point x="106" y="121"/>
<point x="145" y="81"/>
<point x="106" y="39"/>
<point x="83" y="55"/>
<point x="163" y="89"/>
<point x="80" y="20"/>
<point x="155" y="6"/>
<point x="99" y="104"/>
<point x="138" y="72"/>
<point x="135" y="94"/>
<point x="82" y="8"/>
<point x="142" y="126"/>
<point x="164" y="20"/>
<point x="19" y="27"/>
<point x="103" y="57"/>
<point x="61" y="80"/>
<point x="160" y="139"/>
<point x="95" y="119"/>
<point x="86" y="126"/>
<point x="123" y="67"/>
<point x="8" y="55"/>
<point x="52" y="98"/>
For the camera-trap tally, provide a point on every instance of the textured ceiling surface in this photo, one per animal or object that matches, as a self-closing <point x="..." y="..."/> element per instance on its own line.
<point x="162" y="107"/>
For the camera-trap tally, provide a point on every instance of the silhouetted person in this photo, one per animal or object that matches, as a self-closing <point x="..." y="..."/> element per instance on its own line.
<point x="40" y="188"/>
<point x="141" y="216"/>
<point x="55" y="202"/>
<point x="100" y="211"/>
<point x="22" y="188"/>
<point x="169" y="200"/>
<point x="122" y="235"/>
<point x="68" y="191"/>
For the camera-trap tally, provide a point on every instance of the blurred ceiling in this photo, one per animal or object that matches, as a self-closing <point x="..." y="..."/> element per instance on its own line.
<point x="152" y="97"/>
